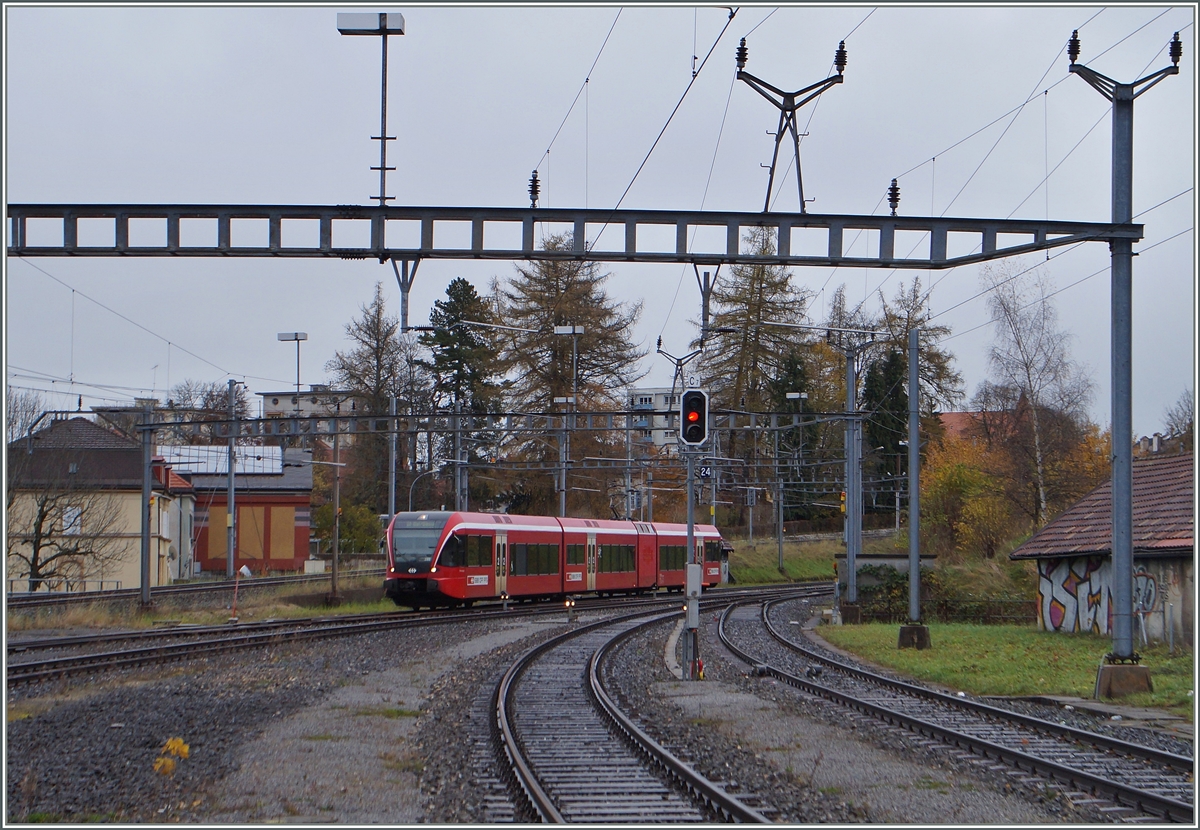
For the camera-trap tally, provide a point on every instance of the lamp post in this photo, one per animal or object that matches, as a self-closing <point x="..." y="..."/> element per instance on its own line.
<point x="791" y="396"/>
<point x="572" y="404"/>
<point x="297" y="336"/>
<point x="378" y="24"/>
<point x="414" y="484"/>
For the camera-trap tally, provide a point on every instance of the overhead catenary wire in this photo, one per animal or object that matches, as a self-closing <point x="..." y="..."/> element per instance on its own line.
<point x="929" y="291"/>
<point x="582" y="87"/>
<point x="138" y="325"/>
<point x="1041" y="299"/>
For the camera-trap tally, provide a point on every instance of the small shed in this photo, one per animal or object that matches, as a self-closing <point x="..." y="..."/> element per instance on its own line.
<point x="1074" y="555"/>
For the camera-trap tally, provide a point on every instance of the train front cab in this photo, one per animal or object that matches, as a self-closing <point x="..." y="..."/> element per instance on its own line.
<point x="413" y="541"/>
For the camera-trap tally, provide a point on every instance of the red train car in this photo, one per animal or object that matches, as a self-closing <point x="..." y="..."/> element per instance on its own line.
<point x="455" y="558"/>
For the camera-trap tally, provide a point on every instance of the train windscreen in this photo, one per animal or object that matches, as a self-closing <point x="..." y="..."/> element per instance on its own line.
<point x="414" y="539"/>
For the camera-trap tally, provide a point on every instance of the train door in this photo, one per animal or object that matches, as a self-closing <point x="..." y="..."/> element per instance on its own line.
<point x="591" y="562"/>
<point x="501" y="563"/>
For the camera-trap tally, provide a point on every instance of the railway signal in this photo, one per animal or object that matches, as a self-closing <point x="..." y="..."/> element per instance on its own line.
<point x="693" y="409"/>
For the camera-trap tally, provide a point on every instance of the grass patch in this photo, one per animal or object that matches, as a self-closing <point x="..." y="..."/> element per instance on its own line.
<point x="253" y="605"/>
<point x="392" y="712"/>
<point x="758" y="563"/>
<point x="402" y="763"/>
<point x="927" y="783"/>
<point x="1017" y="660"/>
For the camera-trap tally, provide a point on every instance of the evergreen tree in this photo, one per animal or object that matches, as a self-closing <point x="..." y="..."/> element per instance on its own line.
<point x="540" y="296"/>
<point x="745" y="351"/>
<point x="885" y="400"/>
<point x="463" y="369"/>
<point x="564" y="292"/>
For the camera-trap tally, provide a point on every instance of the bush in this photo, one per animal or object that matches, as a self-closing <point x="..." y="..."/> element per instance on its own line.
<point x="883" y="597"/>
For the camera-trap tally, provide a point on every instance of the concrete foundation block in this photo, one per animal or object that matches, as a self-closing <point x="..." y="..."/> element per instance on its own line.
<point x="1122" y="679"/>
<point x="914" y="636"/>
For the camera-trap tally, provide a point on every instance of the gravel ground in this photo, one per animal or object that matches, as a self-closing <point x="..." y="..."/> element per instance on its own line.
<point x="311" y="732"/>
<point x="805" y="758"/>
<point x="387" y="728"/>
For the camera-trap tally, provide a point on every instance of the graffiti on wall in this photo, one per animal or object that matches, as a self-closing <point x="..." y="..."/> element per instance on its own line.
<point x="1145" y="592"/>
<point x="1074" y="594"/>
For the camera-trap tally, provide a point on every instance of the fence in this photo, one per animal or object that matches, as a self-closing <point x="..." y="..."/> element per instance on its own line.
<point x="60" y="585"/>
<point x="962" y="609"/>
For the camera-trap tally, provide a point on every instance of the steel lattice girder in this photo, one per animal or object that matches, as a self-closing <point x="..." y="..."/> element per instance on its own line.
<point x="505" y="423"/>
<point x="158" y="234"/>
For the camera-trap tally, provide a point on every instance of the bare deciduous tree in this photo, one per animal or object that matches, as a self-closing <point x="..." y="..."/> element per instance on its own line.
<point x="1179" y="419"/>
<point x="57" y="530"/>
<point x="1032" y="354"/>
<point x="21" y="408"/>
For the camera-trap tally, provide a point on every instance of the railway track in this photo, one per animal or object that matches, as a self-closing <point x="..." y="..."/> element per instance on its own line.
<point x="1115" y="776"/>
<point x="150" y="647"/>
<point x="578" y="758"/>
<point x="38" y="600"/>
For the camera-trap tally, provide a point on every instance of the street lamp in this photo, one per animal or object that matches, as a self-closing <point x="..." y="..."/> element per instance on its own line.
<point x="414" y="484"/>
<point x="572" y="403"/>
<point x="287" y="337"/>
<point x="381" y="24"/>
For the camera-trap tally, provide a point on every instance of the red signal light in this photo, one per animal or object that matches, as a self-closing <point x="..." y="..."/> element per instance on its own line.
<point x="693" y="417"/>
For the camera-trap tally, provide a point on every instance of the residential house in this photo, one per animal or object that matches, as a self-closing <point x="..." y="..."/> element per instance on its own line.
<point x="1074" y="555"/>
<point x="74" y="515"/>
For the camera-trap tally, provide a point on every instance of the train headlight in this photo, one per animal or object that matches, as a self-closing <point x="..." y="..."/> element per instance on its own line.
<point x="433" y="570"/>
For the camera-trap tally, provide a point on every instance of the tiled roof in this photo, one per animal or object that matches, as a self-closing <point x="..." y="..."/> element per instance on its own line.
<point x="79" y="434"/>
<point x="1163" y="517"/>
<point x="959" y="424"/>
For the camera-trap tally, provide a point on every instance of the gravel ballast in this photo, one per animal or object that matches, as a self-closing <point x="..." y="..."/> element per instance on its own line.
<point x="390" y="728"/>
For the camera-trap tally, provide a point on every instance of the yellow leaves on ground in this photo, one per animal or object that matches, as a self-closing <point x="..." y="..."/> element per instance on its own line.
<point x="174" y="748"/>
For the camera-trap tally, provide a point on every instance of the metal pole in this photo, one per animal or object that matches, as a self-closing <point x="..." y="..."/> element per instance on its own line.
<point x="1122" y="97"/>
<point x="853" y="487"/>
<point x="914" y="467"/>
<point x="337" y="503"/>
<point x="1122" y="374"/>
<point x="297" y="375"/>
<point x="562" y="462"/>
<point x="230" y="507"/>
<point x="649" y="500"/>
<point x="147" y="488"/>
<point x="458" y="488"/>
<point x="383" y="117"/>
<point x="691" y="505"/>
<point x="629" y="462"/>
<point x="778" y="502"/>
<point x="391" y="460"/>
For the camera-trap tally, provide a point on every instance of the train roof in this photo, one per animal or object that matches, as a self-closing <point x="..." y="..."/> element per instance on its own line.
<point x="485" y="521"/>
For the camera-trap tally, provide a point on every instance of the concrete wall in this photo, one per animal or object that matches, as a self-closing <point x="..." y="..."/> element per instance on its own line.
<point x="1075" y="594"/>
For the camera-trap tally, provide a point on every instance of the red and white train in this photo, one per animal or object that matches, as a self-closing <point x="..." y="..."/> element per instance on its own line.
<point x="454" y="558"/>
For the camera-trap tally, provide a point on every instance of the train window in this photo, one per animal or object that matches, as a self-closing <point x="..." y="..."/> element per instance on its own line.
<point x="453" y="553"/>
<point x="533" y="560"/>
<point x="712" y="551"/>
<point x="672" y="557"/>
<point x="617" y="559"/>
<point x="576" y="554"/>
<point x="414" y="540"/>
<point x="479" y="551"/>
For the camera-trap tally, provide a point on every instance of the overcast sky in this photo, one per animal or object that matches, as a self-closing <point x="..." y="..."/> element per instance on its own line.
<point x="272" y="106"/>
